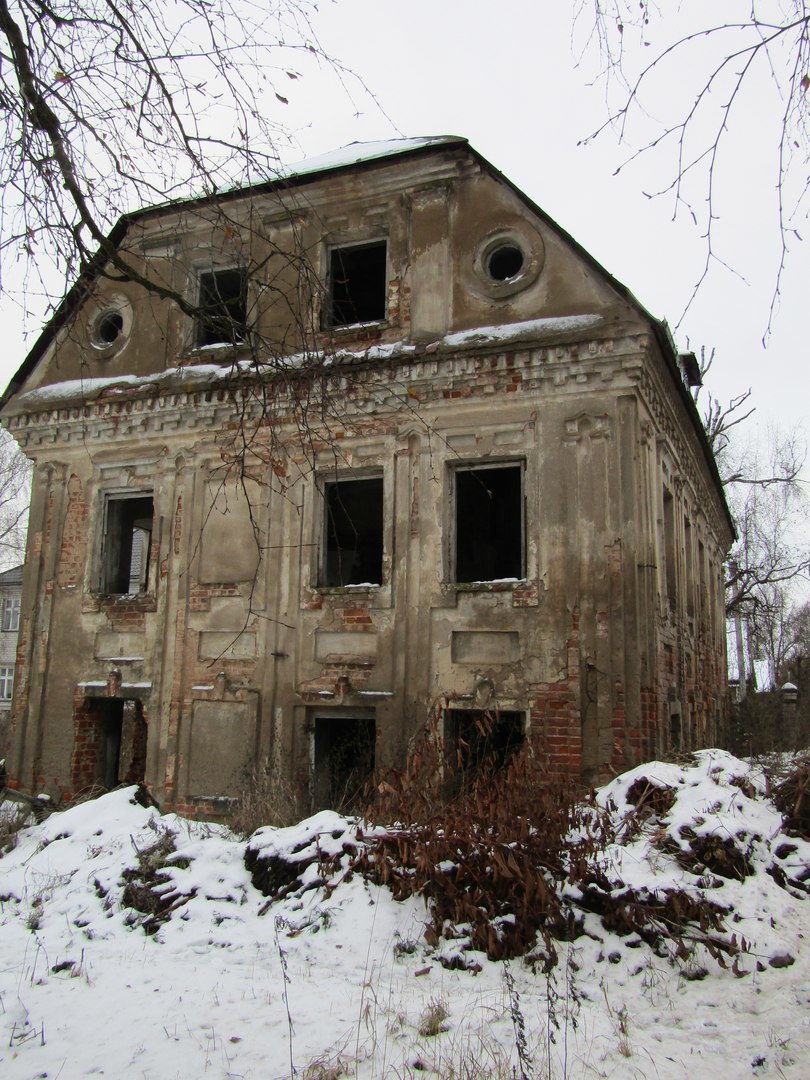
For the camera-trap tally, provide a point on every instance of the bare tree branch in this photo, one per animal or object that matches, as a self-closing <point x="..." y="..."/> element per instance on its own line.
<point x="649" y="52"/>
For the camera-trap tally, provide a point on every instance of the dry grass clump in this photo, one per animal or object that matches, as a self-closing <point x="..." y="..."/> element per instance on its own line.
<point x="13" y="819"/>
<point x="432" y="1020"/>
<point x="265" y="798"/>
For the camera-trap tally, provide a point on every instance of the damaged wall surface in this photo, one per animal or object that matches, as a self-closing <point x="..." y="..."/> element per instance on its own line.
<point x="419" y="457"/>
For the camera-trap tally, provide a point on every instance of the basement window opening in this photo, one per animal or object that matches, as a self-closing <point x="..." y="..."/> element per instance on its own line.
<point x="126" y="543"/>
<point x="353" y="540"/>
<point x="489" y="523"/>
<point x="357" y="284"/>
<point x="479" y="742"/>
<point x="222" y="318"/>
<point x="343" y="760"/>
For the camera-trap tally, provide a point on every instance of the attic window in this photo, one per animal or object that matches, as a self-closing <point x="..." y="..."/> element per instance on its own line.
<point x="353" y="542"/>
<point x="125" y="544"/>
<point x="507" y="261"/>
<point x="357" y="284"/>
<point x="489" y="523"/>
<point x="222" y="318"/>
<point x="504" y="262"/>
<point x="478" y="742"/>
<point x="108" y="328"/>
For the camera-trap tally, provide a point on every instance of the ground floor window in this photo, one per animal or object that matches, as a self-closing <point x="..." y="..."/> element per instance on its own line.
<point x="6" y="683"/>
<point x="478" y="741"/>
<point x="110" y="743"/>
<point x="343" y="759"/>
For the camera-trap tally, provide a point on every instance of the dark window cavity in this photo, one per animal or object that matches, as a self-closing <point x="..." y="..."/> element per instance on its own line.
<point x="357" y="284"/>
<point x="126" y="542"/>
<point x="489" y="523"/>
<point x="669" y="548"/>
<point x="222" y="318"/>
<point x="505" y="262"/>
<point x="479" y="742"/>
<point x="353" y="510"/>
<point x="109" y="327"/>
<point x="114" y="743"/>
<point x="343" y="760"/>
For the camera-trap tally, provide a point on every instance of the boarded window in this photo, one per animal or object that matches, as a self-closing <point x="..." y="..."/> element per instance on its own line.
<point x="343" y="759"/>
<point x="353" y="542"/>
<point x="222" y="319"/>
<point x="357" y="284"/>
<point x="489" y="523"/>
<point x="479" y="741"/>
<point x="126" y="543"/>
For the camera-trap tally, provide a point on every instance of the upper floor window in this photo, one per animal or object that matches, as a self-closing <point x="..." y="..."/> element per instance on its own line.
<point x="357" y="284"/>
<point x="353" y="532"/>
<point x="125" y="544"/>
<point x="6" y="683"/>
<point x="489" y="527"/>
<point x="10" y="613"/>
<point x="223" y="307"/>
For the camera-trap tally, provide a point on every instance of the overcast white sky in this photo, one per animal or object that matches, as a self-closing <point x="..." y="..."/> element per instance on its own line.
<point x="505" y="76"/>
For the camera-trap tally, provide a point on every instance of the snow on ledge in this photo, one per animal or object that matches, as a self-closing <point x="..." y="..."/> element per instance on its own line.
<point x="193" y="377"/>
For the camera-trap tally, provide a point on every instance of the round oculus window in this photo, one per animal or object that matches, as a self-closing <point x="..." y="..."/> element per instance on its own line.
<point x="108" y="328"/>
<point x="504" y="262"/>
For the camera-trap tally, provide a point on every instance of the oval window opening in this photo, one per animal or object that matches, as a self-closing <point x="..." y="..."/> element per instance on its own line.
<point x="505" y="262"/>
<point x="110" y="327"/>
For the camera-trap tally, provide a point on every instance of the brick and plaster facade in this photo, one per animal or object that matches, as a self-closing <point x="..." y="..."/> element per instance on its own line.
<point x="490" y="491"/>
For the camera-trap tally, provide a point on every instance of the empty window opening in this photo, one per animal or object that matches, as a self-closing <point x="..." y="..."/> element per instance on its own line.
<point x="343" y="760"/>
<point x="669" y="547"/>
<point x="109" y="327"/>
<point x="688" y="555"/>
<point x="479" y="742"/>
<point x="505" y="262"/>
<point x="126" y="544"/>
<point x="110" y="743"/>
<point x="353" y="510"/>
<point x="6" y="683"/>
<point x="11" y="613"/>
<point x="489" y="523"/>
<point x="223" y="307"/>
<point x="675" y="730"/>
<point x="357" y="284"/>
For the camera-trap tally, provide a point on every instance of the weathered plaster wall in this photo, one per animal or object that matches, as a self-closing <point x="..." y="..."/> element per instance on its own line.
<point x="235" y="647"/>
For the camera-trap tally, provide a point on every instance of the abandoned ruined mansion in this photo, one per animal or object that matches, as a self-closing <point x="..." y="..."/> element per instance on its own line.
<point x="392" y="447"/>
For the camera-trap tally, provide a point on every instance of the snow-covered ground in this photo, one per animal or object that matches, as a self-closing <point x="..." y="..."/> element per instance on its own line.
<point x="336" y="981"/>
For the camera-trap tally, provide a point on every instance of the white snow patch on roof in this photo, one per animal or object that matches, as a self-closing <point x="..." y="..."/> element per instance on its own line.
<point x="357" y="152"/>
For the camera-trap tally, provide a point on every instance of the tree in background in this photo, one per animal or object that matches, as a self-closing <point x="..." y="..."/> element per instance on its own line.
<point x="15" y="492"/>
<point x="770" y="559"/>
<point x="680" y="82"/>
<point x="112" y="105"/>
